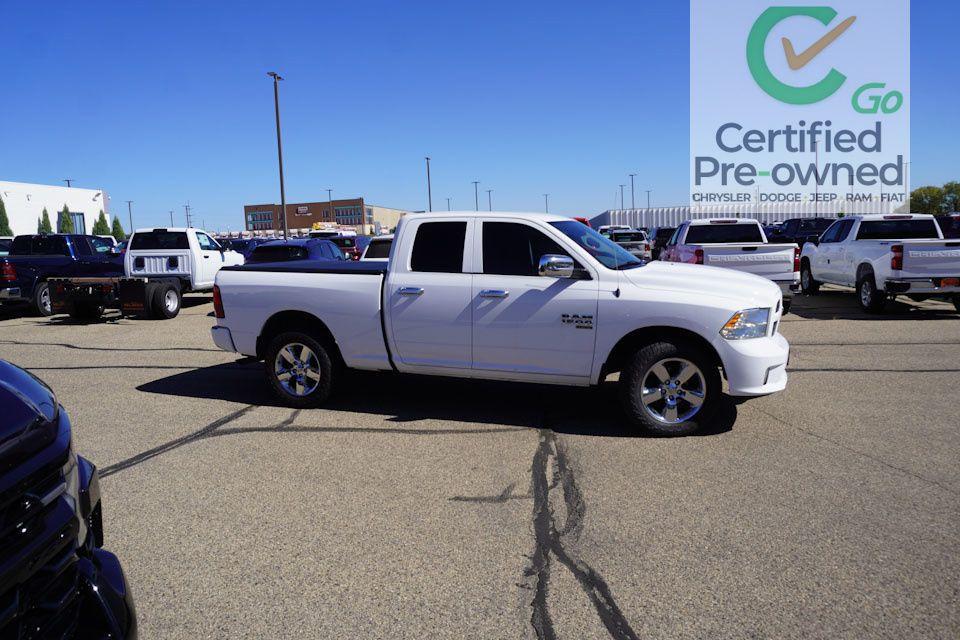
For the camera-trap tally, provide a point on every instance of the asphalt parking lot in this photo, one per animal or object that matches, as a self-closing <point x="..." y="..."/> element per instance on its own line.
<point x="420" y="507"/>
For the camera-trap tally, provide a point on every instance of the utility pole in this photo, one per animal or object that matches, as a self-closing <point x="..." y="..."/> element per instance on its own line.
<point x="186" y="210"/>
<point x="489" y="200"/>
<point x="429" y="188"/>
<point x="448" y="204"/>
<point x="476" y="196"/>
<point x="546" y="203"/>
<point x="632" y="203"/>
<point x="68" y="181"/>
<point x="130" y="213"/>
<point x="276" y="109"/>
<point x="621" y="196"/>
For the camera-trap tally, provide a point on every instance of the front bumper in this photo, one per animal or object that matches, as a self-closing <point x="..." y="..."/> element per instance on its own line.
<point x="222" y="338"/>
<point x="756" y="367"/>
<point x="921" y="285"/>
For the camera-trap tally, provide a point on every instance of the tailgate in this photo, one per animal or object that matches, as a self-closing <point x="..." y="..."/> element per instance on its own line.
<point x="158" y="263"/>
<point x="931" y="258"/>
<point x="772" y="261"/>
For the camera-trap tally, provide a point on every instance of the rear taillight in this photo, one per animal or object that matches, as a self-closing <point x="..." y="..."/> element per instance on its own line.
<point x="217" y="303"/>
<point x="8" y="273"/>
<point x="698" y="254"/>
<point x="896" y="261"/>
<point x="796" y="259"/>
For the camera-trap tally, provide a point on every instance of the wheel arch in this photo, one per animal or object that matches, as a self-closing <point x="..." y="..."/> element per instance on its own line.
<point x="643" y="336"/>
<point x="291" y="320"/>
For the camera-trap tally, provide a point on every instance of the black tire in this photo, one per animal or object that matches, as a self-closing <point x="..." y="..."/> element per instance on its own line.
<point x="640" y="368"/>
<point x="956" y="301"/>
<point x="314" y="391"/>
<point x="41" y="300"/>
<point x="86" y="311"/>
<point x="870" y="299"/>
<point x="787" y="303"/>
<point x="809" y="286"/>
<point x="166" y="302"/>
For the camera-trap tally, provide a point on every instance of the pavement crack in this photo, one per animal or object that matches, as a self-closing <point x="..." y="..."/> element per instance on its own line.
<point x="551" y="468"/>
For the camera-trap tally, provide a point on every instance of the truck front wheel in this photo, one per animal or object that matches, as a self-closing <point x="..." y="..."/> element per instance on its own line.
<point x="299" y="370"/>
<point x="670" y="390"/>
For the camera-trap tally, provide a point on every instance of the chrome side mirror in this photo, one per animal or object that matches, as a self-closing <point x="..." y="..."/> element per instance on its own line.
<point x="556" y="266"/>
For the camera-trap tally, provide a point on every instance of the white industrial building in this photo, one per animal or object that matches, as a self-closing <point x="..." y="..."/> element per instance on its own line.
<point x="765" y="213"/>
<point x="25" y="203"/>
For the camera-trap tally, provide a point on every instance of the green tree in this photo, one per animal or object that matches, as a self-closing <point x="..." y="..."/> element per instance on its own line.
<point x="101" y="227"/>
<point x="951" y="196"/>
<point x="64" y="222"/>
<point x="927" y="200"/>
<point x="117" y="230"/>
<point x="45" y="226"/>
<point x="5" y="229"/>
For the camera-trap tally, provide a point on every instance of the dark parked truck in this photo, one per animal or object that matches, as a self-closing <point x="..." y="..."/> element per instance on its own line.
<point x="33" y="260"/>
<point x="56" y="580"/>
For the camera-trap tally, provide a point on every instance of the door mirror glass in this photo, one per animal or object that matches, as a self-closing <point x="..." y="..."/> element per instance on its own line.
<point x="556" y="266"/>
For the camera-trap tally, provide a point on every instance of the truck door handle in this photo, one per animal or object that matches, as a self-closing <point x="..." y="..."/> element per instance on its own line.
<point x="494" y="293"/>
<point x="410" y="291"/>
<point x="206" y="257"/>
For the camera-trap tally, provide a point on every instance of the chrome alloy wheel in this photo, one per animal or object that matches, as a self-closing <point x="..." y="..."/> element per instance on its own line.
<point x="170" y="300"/>
<point x="866" y="292"/>
<point x="673" y="390"/>
<point x="298" y="369"/>
<point x="805" y="278"/>
<point x="45" y="301"/>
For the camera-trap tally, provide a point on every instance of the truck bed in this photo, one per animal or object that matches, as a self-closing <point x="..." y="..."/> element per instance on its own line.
<point x="771" y="261"/>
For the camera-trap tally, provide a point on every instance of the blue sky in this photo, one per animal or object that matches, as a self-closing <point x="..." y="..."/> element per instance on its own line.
<point x="164" y="103"/>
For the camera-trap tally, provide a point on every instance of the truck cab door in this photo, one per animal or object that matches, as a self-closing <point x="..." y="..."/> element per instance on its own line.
<point x="524" y="322"/>
<point x="427" y="296"/>
<point x="211" y="259"/>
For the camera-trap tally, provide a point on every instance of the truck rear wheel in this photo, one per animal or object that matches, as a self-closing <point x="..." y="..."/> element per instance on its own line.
<point x="670" y="390"/>
<point x="871" y="300"/>
<point x="166" y="302"/>
<point x="810" y="286"/>
<point x="298" y="369"/>
<point x="41" y="299"/>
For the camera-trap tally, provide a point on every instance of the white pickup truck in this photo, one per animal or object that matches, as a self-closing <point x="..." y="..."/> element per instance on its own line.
<point x="737" y="243"/>
<point x="883" y="256"/>
<point x="511" y="296"/>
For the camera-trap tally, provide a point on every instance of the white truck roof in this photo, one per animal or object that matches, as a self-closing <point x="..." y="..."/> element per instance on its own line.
<point x="705" y="221"/>
<point x="891" y="216"/>
<point x="545" y="217"/>
<point x="174" y="229"/>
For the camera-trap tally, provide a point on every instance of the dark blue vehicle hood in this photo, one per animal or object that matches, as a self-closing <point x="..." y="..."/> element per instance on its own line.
<point x="25" y="404"/>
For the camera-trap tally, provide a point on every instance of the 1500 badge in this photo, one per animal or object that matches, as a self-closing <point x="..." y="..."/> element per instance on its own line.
<point x="577" y="320"/>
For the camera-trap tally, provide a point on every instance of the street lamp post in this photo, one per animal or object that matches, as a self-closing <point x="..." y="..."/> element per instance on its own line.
<point x="648" y="198"/>
<point x="476" y="196"/>
<point x="68" y="181"/>
<point x="621" y="196"/>
<point x="276" y="109"/>
<point x="429" y="188"/>
<point x="448" y="204"/>
<point x="171" y="217"/>
<point x="489" y="200"/>
<point x="130" y="213"/>
<point x="330" y="204"/>
<point x="546" y="203"/>
<point x="633" y="205"/>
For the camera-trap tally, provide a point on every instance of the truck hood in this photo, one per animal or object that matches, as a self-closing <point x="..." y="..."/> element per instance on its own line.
<point x="742" y="290"/>
<point x="26" y="403"/>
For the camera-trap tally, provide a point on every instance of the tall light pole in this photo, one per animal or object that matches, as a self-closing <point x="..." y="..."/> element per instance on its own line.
<point x="476" y="196"/>
<point x="171" y="217"/>
<point x="489" y="200"/>
<point x="621" y="196"/>
<point x="648" y="198"/>
<point x="276" y="109"/>
<point x="68" y="181"/>
<point x="330" y="204"/>
<point x="130" y="213"/>
<point x="429" y="188"/>
<point x="546" y="203"/>
<point x="448" y="204"/>
<point x="633" y="205"/>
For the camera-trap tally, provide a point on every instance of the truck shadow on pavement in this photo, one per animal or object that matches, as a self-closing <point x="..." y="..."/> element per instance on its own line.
<point x="841" y="304"/>
<point x="409" y="399"/>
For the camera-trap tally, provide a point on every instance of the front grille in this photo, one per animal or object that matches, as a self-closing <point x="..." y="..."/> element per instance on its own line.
<point x="38" y="542"/>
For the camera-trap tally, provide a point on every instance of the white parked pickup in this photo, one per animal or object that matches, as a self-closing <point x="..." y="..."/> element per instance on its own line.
<point x="736" y="243"/>
<point x="884" y="256"/>
<point x="511" y="296"/>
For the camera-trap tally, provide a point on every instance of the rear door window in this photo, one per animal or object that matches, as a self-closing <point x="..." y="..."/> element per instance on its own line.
<point x="159" y="241"/>
<point x="722" y="233"/>
<point x="379" y="249"/>
<point x="438" y="247"/>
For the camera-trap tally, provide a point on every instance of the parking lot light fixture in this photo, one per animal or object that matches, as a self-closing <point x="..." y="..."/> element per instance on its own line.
<point x="476" y="196"/>
<point x="546" y="203"/>
<point x="276" y="110"/>
<point x="648" y="198"/>
<point x="633" y="204"/>
<point x="448" y="204"/>
<point x="429" y="187"/>
<point x="489" y="200"/>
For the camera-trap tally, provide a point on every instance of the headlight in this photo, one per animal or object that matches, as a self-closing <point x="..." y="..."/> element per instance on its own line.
<point x="749" y="323"/>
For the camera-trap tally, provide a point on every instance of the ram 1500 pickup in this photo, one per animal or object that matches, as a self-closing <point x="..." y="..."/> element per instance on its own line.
<point x="520" y="297"/>
<point x="883" y="256"/>
<point x="737" y="243"/>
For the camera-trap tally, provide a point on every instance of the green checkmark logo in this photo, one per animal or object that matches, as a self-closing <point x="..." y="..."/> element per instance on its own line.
<point x="773" y="86"/>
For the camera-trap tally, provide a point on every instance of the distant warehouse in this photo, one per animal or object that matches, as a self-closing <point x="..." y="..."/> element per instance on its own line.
<point x="353" y="213"/>
<point x="24" y="204"/>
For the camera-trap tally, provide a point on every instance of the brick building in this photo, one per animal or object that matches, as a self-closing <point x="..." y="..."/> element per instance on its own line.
<point x="349" y="212"/>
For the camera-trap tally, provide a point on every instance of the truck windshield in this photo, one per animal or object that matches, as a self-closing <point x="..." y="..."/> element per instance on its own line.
<point x="608" y="253"/>
<point x="721" y="233"/>
<point x="159" y="241"/>
<point x="922" y="228"/>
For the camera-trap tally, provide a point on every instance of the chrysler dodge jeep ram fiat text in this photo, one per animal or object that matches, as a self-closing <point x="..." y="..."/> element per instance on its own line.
<point x="512" y="296"/>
